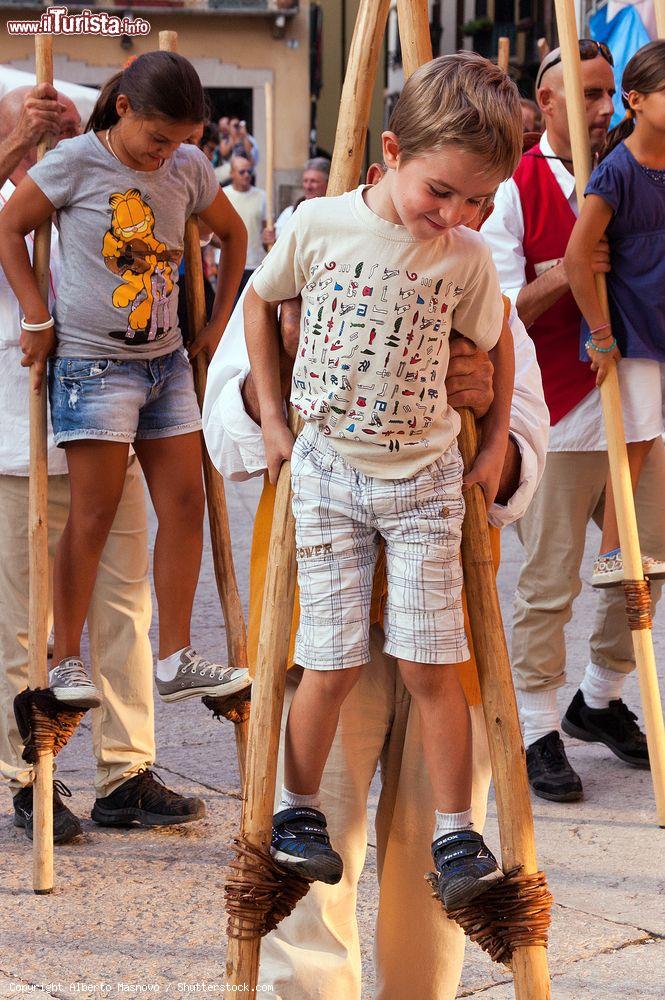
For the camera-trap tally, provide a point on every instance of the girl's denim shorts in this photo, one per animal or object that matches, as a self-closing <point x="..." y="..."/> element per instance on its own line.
<point x="101" y="399"/>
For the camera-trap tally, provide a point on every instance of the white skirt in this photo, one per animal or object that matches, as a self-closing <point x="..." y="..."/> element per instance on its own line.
<point x="640" y="381"/>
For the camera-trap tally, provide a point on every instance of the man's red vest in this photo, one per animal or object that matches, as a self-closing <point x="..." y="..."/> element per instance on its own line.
<point x="548" y="223"/>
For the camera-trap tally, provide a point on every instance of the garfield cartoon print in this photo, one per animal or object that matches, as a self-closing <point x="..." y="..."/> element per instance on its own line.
<point x="132" y="251"/>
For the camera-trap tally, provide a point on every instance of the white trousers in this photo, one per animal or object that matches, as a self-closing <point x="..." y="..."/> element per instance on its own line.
<point x="118" y="622"/>
<point x="315" y="953"/>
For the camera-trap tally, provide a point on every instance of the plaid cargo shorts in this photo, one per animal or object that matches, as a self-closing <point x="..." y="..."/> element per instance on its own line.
<point x="340" y="515"/>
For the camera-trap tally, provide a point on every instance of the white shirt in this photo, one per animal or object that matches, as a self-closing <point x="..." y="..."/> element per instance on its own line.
<point x="251" y="207"/>
<point x="582" y="429"/>
<point x="15" y="380"/>
<point x="235" y="442"/>
<point x="282" y="219"/>
<point x="378" y="310"/>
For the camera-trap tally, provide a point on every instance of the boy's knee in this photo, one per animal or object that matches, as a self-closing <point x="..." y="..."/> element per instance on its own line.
<point x="426" y="680"/>
<point x="333" y="685"/>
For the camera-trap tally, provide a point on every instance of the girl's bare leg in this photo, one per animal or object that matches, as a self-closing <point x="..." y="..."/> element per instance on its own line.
<point x="97" y="475"/>
<point x="637" y="456"/>
<point x="172" y="468"/>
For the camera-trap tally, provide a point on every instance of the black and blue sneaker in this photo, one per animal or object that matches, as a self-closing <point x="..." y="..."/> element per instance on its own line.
<point x="300" y="844"/>
<point x="465" y="867"/>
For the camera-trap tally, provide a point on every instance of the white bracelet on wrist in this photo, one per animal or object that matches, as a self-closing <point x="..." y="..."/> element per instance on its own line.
<point x="38" y="326"/>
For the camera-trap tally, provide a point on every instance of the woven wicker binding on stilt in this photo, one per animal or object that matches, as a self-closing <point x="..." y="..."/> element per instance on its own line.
<point x="259" y="893"/>
<point x="514" y="913"/>
<point x="44" y="723"/>
<point x="234" y="707"/>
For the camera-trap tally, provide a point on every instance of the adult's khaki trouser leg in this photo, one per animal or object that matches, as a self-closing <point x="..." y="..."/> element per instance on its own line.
<point x="553" y="533"/>
<point x="123" y="731"/>
<point x="315" y="953"/>
<point x="418" y="952"/>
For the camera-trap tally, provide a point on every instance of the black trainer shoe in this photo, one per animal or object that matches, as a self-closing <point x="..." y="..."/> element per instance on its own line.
<point x="66" y="825"/>
<point x="550" y="774"/>
<point x="145" y="799"/>
<point x="300" y="843"/>
<point x="615" y="726"/>
<point x="465" y="867"/>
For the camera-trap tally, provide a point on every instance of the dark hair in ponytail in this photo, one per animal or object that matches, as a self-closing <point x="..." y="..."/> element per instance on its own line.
<point x="156" y="84"/>
<point x="645" y="73"/>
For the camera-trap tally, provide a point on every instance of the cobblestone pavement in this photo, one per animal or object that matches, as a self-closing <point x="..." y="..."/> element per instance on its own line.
<point x="142" y="911"/>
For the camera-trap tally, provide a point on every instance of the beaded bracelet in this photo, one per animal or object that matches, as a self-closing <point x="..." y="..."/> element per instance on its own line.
<point x="601" y="350"/>
<point x="38" y="326"/>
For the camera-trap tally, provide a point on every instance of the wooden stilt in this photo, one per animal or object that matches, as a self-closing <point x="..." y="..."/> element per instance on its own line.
<point x="503" y="57"/>
<point x="270" y="155"/>
<point x="659" y="8"/>
<point x="612" y="416"/>
<point x="220" y="535"/>
<point x="268" y="688"/>
<point x="42" y="865"/>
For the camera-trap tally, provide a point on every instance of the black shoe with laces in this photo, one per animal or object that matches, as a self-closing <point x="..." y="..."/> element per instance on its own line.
<point x="465" y="867"/>
<point x="550" y="774"/>
<point x="300" y="844"/>
<point x="145" y="799"/>
<point x="615" y="726"/>
<point x="66" y="825"/>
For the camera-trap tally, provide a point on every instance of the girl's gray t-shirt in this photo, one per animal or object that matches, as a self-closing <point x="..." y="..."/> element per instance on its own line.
<point x="121" y="244"/>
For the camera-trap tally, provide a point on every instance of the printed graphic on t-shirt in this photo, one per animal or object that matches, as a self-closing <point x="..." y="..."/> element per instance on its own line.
<point x="145" y="265"/>
<point x="371" y="339"/>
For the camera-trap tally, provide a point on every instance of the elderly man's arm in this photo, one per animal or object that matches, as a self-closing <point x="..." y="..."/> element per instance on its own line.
<point x="22" y="127"/>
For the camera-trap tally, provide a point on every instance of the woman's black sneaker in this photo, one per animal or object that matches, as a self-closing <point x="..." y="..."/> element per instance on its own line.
<point x="550" y="774"/>
<point x="615" y="726"/>
<point x="145" y="799"/>
<point x="465" y="867"/>
<point x="300" y="843"/>
<point x="66" y="825"/>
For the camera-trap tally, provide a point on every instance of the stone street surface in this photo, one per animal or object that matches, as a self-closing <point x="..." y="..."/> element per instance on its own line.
<point x="137" y="911"/>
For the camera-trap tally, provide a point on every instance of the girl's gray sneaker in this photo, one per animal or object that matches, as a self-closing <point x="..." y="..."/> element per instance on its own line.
<point x="71" y="685"/>
<point x="197" y="676"/>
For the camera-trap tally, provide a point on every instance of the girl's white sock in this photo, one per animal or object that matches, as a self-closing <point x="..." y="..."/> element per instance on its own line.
<point x="168" y="667"/>
<point x="451" y="822"/>
<point x="291" y="800"/>
<point x="539" y="713"/>
<point x="600" y="686"/>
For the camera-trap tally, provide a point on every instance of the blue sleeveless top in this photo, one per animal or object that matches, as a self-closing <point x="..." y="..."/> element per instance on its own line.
<point x="636" y="233"/>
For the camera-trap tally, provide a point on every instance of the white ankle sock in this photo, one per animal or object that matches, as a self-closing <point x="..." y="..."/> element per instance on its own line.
<point x="168" y="667"/>
<point x="451" y="822"/>
<point x="291" y="800"/>
<point x="600" y="686"/>
<point x="539" y="713"/>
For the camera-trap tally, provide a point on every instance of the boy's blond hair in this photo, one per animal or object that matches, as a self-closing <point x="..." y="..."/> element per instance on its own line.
<point x="462" y="100"/>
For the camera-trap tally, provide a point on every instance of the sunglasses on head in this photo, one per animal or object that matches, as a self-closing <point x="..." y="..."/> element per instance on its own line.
<point x="589" y="49"/>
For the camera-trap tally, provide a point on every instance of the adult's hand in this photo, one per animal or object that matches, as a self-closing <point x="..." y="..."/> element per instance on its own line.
<point x="268" y="236"/>
<point x="469" y="378"/>
<point x="40" y="113"/>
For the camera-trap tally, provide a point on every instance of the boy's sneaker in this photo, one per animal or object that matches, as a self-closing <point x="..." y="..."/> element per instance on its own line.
<point x="550" y="773"/>
<point x="608" y="569"/>
<point x="196" y="677"/>
<point x="71" y="685"/>
<point x="615" y="726"/>
<point x="300" y="843"/>
<point x="145" y="799"/>
<point x="66" y="825"/>
<point x="465" y="867"/>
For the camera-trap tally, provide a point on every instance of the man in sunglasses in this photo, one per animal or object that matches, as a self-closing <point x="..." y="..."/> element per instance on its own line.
<point x="250" y="204"/>
<point x="534" y="215"/>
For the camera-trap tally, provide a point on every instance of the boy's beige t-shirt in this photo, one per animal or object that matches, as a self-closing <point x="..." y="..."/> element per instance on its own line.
<point x="378" y="309"/>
